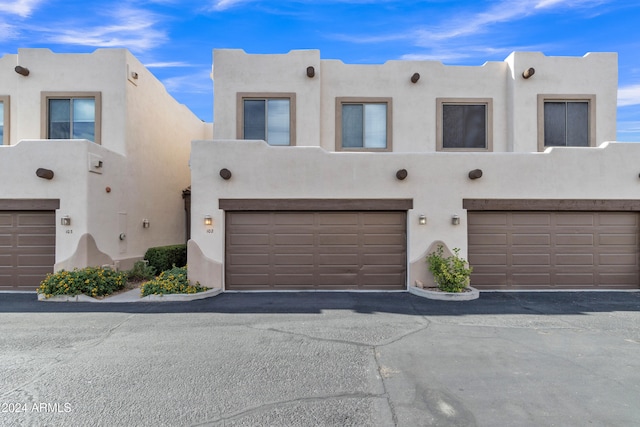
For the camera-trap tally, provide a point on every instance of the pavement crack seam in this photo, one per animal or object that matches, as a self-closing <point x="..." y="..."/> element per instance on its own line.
<point x="382" y="374"/>
<point x="311" y="337"/>
<point x="266" y="406"/>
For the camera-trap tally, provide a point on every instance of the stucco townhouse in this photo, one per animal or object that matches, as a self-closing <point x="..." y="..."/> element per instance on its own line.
<point x="329" y="176"/>
<point x="93" y="159"/>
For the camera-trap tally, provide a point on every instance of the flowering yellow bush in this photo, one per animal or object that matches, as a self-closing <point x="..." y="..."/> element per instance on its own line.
<point x="92" y="281"/>
<point x="451" y="274"/>
<point x="173" y="281"/>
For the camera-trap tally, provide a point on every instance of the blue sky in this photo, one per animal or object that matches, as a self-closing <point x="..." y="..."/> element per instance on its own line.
<point x="175" y="38"/>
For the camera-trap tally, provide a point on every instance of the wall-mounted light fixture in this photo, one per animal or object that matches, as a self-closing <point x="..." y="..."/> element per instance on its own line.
<point x="415" y="77"/>
<point x="422" y="219"/>
<point x="475" y="174"/>
<point x="528" y="72"/>
<point x="208" y="220"/>
<point x="134" y="75"/>
<point x="455" y="220"/>
<point x="23" y="71"/>
<point x="225" y="173"/>
<point x="402" y="174"/>
<point x="44" y="173"/>
<point x="145" y="223"/>
<point x="65" y="220"/>
<point x="311" y="72"/>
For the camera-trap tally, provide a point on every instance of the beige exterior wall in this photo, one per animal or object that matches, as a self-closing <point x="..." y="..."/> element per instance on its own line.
<point x="144" y="151"/>
<point x="515" y="117"/>
<point x="437" y="181"/>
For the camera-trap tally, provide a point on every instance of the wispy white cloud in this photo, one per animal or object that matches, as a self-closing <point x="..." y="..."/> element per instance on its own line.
<point x="629" y="95"/>
<point x="132" y="28"/>
<point x="22" y="8"/>
<point x="193" y="83"/>
<point x="227" y="4"/>
<point x="168" y="64"/>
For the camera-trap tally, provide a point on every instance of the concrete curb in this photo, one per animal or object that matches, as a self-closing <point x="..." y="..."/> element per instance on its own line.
<point x="133" y="296"/>
<point x="445" y="296"/>
<point x="181" y="297"/>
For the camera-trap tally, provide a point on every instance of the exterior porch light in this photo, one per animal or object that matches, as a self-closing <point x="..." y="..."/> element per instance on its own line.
<point x="455" y="220"/>
<point x="23" y="71"/>
<point x="208" y="220"/>
<point x="528" y="73"/>
<point x="311" y="72"/>
<point x="422" y="219"/>
<point x="65" y="220"/>
<point x="145" y="223"/>
<point x="415" y="77"/>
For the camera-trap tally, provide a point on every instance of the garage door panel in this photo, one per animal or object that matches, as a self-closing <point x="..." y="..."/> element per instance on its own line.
<point x="618" y="239"/>
<point x="6" y="240"/>
<point x="337" y="259"/>
<point x="282" y="260"/>
<point x="574" y="239"/>
<point x="250" y="259"/>
<point x="530" y="239"/>
<point x="530" y="259"/>
<point x="618" y="259"/>
<point x="287" y="239"/>
<point x="617" y="219"/>
<point x="6" y="220"/>
<point x="329" y="249"/>
<point x="575" y="259"/>
<point x="337" y="239"/>
<point x="574" y="219"/>
<point x="487" y="239"/>
<point x="531" y="220"/>
<point x="585" y="249"/>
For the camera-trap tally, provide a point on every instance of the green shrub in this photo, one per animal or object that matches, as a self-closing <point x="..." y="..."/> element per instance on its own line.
<point x="172" y="281"/>
<point x="165" y="257"/>
<point x="452" y="274"/>
<point x="141" y="271"/>
<point x="91" y="281"/>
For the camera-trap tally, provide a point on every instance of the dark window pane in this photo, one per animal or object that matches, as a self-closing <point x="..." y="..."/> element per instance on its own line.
<point x="255" y="119"/>
<point x="352" y="125"/>
<point x="59" y="118"/>
<point x="578" y="124"/>
<point x="464" y="126"/>
<point x="555" y="124"/>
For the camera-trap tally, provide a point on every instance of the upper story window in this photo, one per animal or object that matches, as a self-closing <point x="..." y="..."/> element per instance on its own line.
<point x="72" y="115"/>
<point x="363" y="124"/>
<point x="4" y="120"/>
<point x="269" y="117"/>
<point x="566" y="121"/>
<point x="464" y="124"/>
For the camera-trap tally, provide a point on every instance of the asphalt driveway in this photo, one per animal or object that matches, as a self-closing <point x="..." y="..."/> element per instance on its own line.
<point x="334" y="359"/>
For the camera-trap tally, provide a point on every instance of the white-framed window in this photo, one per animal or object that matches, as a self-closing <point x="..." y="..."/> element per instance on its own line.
<point x="464" y="124"/>
<point x="267" y="116"/>
<point x="72" y="115"/>
<point x="566" y="121"/>
<point x="363" y="124"/>
<point x="4" y="119"/>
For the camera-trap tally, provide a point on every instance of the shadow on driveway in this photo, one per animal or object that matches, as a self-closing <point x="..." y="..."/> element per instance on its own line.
<point x="315" y="302"/>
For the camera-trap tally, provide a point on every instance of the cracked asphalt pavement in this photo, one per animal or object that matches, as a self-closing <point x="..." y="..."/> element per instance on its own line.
<point x="323" y="359"/>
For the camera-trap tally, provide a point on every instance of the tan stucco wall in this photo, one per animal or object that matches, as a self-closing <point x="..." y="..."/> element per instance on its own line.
<point x="437" y="183"/>
<point x="515" y="117"/>
<point x="145" y="146"/>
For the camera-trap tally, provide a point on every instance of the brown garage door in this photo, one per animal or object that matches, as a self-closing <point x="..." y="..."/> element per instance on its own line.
<point x="561" y="250"/>
<point x="315" y="250"/>
<point x="27" y="248"/>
